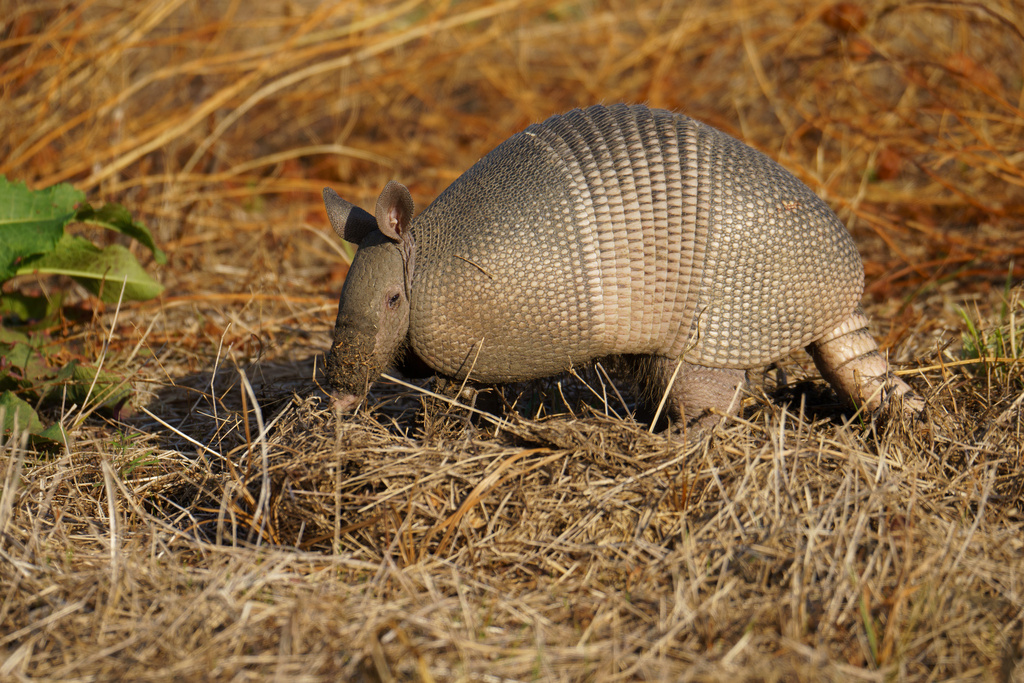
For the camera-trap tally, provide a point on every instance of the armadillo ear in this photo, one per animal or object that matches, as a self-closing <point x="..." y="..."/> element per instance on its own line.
<point x="350" y="222"/>
<point x="394" y="211"/>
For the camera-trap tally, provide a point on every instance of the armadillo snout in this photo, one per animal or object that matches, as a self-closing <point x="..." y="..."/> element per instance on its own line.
<point x="349" y="372"/>
<point x="344" y="403"/>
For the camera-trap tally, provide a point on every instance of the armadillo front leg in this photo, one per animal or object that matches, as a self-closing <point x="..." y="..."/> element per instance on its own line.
<point x="698" y="396"/>
<point x="848" y="358"/>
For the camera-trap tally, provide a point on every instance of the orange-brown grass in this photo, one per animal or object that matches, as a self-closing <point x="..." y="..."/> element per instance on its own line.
<point x="235" y="529"/>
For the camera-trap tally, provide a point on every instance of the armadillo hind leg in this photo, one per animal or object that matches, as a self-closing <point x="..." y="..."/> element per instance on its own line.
<point x="698" y="396"/>
<point x="848" y="358"/>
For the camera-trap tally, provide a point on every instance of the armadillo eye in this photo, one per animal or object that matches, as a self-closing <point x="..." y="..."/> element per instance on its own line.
<point x="393" y="300"/>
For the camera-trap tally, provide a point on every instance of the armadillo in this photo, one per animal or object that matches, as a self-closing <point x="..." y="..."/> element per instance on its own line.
<point x="619" y="232"/>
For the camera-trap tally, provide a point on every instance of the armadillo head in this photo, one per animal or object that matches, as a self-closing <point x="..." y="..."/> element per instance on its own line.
<point x="373" y="314"/>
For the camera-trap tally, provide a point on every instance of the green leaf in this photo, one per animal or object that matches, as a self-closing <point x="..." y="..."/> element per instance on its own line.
<point x="101" y="271"/>
<point x="32" y="221"/>
<point x="24" y="366"/>
<point x="10" y="335"/>
<point x="24" y="307"/>
<point x="12" y="381"/>
<point x="18" y="413"/>
<point x="116" y="217"/>
<point x="108" y="390"/>
<point x="53" y="437"/>
<point x="28" y="359"/>
<point x="37" y="341"/>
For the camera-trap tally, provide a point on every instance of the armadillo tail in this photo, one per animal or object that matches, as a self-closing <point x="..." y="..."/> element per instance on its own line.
<point x="848" y="358"/>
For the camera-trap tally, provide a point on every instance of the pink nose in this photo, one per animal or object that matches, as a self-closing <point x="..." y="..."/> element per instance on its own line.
<point x="344" y="402"/>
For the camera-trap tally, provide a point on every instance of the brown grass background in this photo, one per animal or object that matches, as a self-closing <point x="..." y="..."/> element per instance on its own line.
<point x="234" y="530"/>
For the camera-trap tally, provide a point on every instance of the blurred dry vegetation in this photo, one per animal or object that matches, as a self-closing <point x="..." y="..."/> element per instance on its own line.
<point x="234" y="530"/>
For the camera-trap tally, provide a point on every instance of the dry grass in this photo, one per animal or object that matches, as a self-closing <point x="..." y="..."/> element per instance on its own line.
<point x="236" y="531"/>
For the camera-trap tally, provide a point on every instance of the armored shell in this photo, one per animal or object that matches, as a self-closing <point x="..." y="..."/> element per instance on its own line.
<point x="624" y="230"/>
